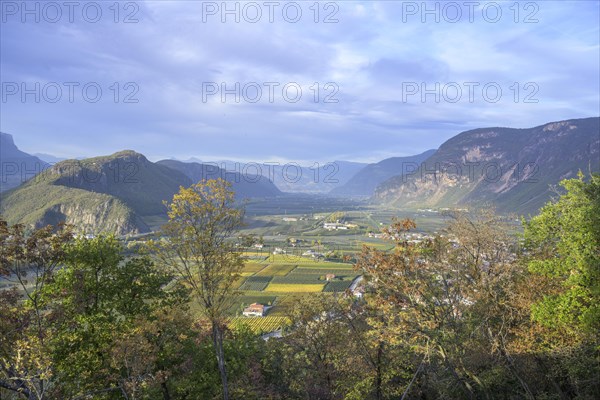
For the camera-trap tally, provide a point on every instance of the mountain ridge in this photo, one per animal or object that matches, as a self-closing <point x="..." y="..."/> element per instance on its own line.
<point x="292" y="177"/>
<point x="245" y="185"/>
<point x="510" y="168"/>
<point x="122" y="193"/>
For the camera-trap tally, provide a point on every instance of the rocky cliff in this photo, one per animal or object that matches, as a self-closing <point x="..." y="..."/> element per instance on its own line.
<point x="511" y="169"/>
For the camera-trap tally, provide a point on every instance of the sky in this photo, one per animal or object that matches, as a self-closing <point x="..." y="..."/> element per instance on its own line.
<point x="297" y="81"/>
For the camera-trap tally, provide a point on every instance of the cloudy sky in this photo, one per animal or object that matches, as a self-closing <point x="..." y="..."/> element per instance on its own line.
<point x="281" y="81"/>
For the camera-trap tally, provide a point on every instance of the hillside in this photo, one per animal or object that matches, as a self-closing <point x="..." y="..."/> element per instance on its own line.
<point x="129" y="176"/>
<point x="244" y="185"/>
<point x="513" y="169"/>
<point x="109" y="193"/>
<point x="121" y="193"/>
<point x="368" y="178"/>
<point x="17" y="166"/>
<point x="41" y="204"/>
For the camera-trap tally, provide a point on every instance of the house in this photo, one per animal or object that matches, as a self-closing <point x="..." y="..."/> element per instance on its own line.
<point x="259" y="245"/>
<point x="330" y="277"/>
<point x="290" y="219"/>
<point x="254" y="310"/>
<point x="330" y="226"/>
<point x="279" y="250"/>
<point x="313" y="254"/>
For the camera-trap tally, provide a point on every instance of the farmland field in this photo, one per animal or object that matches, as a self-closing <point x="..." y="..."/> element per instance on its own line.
<point x="295" y="288"/>
<point x="337" y="286"/>
<point x="260" y="325"/>
<point x="281" y="280"/>
<point x="297" y="279"/>
<point x="323" y="271"/>
<point x="276" y="270"/>
<point x="326" y="265"/>
<point x="252" y="267"/>
<point x="255" y="283"/>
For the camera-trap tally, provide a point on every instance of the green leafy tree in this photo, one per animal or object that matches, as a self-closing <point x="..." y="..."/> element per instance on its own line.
<point x="248" y="241"/>
<point x="196" y="246"/>
<point x="96" y="301"/>
<point x="562" y="294"/>
<point x="564" y="242"/>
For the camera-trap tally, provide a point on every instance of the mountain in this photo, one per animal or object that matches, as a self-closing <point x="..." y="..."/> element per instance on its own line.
<point x="113" y="193"/>
<point x="512" y="169"/>
<point x="293" y="177"/>
<point x="122" y="193"/>
<point x="244" y="185"/>
<point x="16" y="166"/>
<point x="318" y="178"/>
<point x="366" y="180"/>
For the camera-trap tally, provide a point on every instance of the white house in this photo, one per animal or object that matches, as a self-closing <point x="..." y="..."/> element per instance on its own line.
<point x="254" y="310"/>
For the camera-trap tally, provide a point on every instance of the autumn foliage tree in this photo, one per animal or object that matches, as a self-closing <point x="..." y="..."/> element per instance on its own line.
<point x="446" y="301"/>
<point x="196" y="245"/>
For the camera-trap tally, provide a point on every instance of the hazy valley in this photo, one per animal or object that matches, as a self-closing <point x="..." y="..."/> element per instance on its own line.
<point x="513" y="170"/>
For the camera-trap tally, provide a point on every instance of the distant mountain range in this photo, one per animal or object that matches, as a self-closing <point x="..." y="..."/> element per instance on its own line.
<point x="512" y="169"/>
<point x="293" y="177"/>
<point x="121" y="193"/>
<point x="49" y="158"/>
<point x="364" y="182"/>
<point x="245" y="184"/>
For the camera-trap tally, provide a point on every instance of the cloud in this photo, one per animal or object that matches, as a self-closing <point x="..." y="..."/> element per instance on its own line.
<point x="354" y="74"/>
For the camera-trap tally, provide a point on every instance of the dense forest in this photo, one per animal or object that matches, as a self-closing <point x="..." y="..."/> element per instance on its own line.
<point x="478" y="312"/>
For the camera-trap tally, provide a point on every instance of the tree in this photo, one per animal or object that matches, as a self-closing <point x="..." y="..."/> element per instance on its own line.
<point x="319" y="357"/>
<point x="447" y="302"/>
<point x="336" y="216"/>
<point x="196" y="246"/>
<point x="564" y="241"/>
<point x="30" y="262"/>
<point x="97" y="301"/>
<point x="562" y="246"/>
<point x="248" y="241"/>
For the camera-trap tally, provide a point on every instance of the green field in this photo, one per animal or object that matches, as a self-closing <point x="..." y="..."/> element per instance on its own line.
<point x="337" y="286"/>
<point x="276" y="270"/>
<point x="255" y="283"/>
